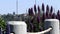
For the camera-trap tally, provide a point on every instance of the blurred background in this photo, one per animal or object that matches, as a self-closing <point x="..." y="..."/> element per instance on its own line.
<point x="33" y="12"/>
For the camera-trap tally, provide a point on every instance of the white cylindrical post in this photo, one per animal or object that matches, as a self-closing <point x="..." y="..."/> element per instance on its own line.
<point x="54" y="23"/>
<point x="19" y="27"/>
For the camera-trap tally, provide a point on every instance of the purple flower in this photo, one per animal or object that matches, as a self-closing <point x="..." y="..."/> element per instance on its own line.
<point x="43" y="7"/>
<point x="50" y="15"/>
<point x="47" y="8"/>
<point x="38" y="19"/>
<point x="35" y="8"/>
<point x="58" y="15"/>
<point x="47" y="11"/>
<point x="46" y="14"/>
<point x="38" y="10"/>
<point x="43" y="16"/>
<point x="53" y="16"/>
<point x="51" y="10"/>
<point x="32" y="11"/>
<point x="29" y="11"/>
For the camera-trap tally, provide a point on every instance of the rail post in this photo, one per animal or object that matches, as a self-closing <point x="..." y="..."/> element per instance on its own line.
<point x="54" y="23"/>
<point x="19" y="27"/>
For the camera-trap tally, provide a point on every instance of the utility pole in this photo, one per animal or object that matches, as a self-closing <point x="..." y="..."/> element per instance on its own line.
<point x="17" y="6"/>
<point x="35" y="1"/>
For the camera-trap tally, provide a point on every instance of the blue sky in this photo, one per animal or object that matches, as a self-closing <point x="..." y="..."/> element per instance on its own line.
<point x="9" y="6"/>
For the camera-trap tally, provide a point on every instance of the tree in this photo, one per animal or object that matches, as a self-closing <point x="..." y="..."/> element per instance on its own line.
<point x="2" y="23"/>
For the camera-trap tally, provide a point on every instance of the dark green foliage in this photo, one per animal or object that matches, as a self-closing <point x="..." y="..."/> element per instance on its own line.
<point x="2" y="23"/>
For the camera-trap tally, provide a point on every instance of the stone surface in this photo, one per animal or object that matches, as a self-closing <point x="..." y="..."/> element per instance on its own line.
<point x="54" y="23"/>
<point x="19" y="27"/>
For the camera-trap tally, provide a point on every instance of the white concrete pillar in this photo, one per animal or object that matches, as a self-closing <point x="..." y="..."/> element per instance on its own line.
<point x="19" y="27"/>
<point x="55" y="25"/>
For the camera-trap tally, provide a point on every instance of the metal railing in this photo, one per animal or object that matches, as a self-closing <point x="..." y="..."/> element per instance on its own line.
<point x="53" y="27"/>
<point x="42" y="32"/>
